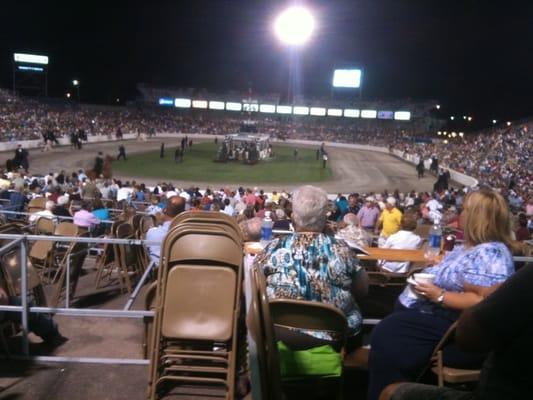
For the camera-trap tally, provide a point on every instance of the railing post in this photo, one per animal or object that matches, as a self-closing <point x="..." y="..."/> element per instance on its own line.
<point x="24" y="294"/>
<point x="67" y="285"/>
<point x="135" y="293"/>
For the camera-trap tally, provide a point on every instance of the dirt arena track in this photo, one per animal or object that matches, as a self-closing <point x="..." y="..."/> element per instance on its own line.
<point x="353" y="170"/>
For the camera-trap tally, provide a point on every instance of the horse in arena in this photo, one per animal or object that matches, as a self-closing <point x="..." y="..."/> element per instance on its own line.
<point x="107" y="173"/>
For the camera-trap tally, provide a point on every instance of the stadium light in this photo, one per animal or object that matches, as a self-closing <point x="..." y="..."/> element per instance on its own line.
<point x="454" y="134"/>
<point x="464" y="116"/>
<point x="461" y="134"/>
<point x="68" y="95"/>
<point x="445" y="141"/>
<point x="494" y="121"/>
<point x="437" y="106"/>
<point x="439" y="133"/>
<point x="508" y="123"/>
<point x="75" y="82"/>
<point x="294" y="26"/>
<point x="452" y="117"/>
<point x="469" y="119"/>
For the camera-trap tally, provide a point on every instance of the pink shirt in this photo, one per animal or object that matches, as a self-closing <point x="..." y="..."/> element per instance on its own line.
<point x="250" y="199"/>
<point x="85" y="219"/>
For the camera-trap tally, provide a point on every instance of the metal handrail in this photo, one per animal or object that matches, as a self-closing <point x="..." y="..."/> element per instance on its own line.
<point x="24" y="308"/>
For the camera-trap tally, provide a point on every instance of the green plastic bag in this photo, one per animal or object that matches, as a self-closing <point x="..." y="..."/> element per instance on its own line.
<point x="322" y="361"/>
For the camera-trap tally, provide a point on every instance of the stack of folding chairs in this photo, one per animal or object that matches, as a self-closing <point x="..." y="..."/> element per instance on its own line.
<point x="198" y="307"/>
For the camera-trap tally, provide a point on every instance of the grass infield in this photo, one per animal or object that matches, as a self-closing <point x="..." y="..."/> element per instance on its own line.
<point x="198" y="166"/>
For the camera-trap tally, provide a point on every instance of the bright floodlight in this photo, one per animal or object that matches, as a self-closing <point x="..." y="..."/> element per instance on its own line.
<point x="75" y="82"/>
<point x="294" y="26"/>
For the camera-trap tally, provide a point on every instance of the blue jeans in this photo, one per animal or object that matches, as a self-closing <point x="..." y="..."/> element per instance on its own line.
<point x="41" y="324"/>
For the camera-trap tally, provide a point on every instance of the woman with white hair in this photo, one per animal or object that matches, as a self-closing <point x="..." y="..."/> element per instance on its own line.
<point x="310" y="265"/>
<point x="46" y="213"/>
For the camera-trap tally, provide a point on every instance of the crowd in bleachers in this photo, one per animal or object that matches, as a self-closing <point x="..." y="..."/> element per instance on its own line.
<point x="501" y="157"/>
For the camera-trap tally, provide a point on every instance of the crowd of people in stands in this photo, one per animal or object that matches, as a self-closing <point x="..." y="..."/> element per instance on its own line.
<point x="490" y="156"/>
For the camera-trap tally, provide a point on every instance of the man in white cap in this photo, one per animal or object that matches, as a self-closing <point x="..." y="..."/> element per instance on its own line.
<point x="368" y="214"/>
<point x="389" y="221"/>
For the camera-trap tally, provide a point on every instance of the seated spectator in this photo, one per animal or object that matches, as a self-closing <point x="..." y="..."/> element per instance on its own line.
<point x="353" y="233"/>
<point x="153" y="208"/>
<point x="402" y="343"/>
<point x="84" y="218"/>
<point x="17" y="200"/>
<point x="522" y="232"/>
<point x="47" y="213"/>
<point x="175" y="206"/>
<point x="404" y="239"/>
<point x="490" y="326"/>
<point x="62" y="209"/>
<point x="434" y="210"/>
<point x="228" y="209"/>
<point x="311" y="265"/>
<point x="102" y="213"/>
<point x="251" y="229"/>
<point x="41" y="324"/>
<point x="281" y="223"/>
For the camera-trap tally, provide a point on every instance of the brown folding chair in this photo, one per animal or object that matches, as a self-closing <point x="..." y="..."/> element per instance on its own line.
<point x="66" y="228"/>
<point x="126" y="257"/>
<point x="447" y="374"/>
<point x="207" y="217"/>
<point x="261" y="329"/>
<point x="36" y="204"/>
<point x="45" y="226"/>
<point x="194" y="338"/>
<point x="106" y="262"/>
<point x="75" y="257"/>
<point x="149" y="305"/>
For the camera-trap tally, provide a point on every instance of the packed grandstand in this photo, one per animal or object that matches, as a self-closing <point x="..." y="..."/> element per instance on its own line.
<point x="489" y="155"/>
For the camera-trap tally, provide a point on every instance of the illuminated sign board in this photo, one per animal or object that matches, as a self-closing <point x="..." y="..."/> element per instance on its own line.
<point x="402" y="115"/>
<point x="30" y="58"/>
<point x="163" y="101"/>
<point x="300" y="110"/>
<point x="250" y="107"/>
<point x="199" y="103"/>
<point x="318" y="111"/>
<point x="216" y="105"/>
<point x="347" y="78"/>
<point x="369" y="113"/>
<point x="334" y="112"/>
<point x="351" y="113"/>
<point x="284" y="109"/>
<point x="267" y="108"/>
<point x="182" y="103"/>
<point x="385" y="115"/>
<point x="31" y="69"/>
<point x="231" y="106"/>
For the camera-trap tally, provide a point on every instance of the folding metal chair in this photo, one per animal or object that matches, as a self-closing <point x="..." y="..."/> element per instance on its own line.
<point x="198" y="304"/>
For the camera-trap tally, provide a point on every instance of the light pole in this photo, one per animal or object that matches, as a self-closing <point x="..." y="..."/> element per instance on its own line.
<point x="294" y="27"/>
<point x="76" y="84"/>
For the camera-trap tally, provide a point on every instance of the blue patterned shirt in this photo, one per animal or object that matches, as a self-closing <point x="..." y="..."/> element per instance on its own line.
<point x="313" y="266"/>
<point x="486" y="264"/>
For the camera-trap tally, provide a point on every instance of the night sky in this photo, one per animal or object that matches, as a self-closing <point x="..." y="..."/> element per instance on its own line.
<point x="474" y="57"/>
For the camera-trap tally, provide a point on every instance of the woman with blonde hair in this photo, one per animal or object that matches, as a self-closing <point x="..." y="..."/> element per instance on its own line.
<point x="402" y="343"/>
